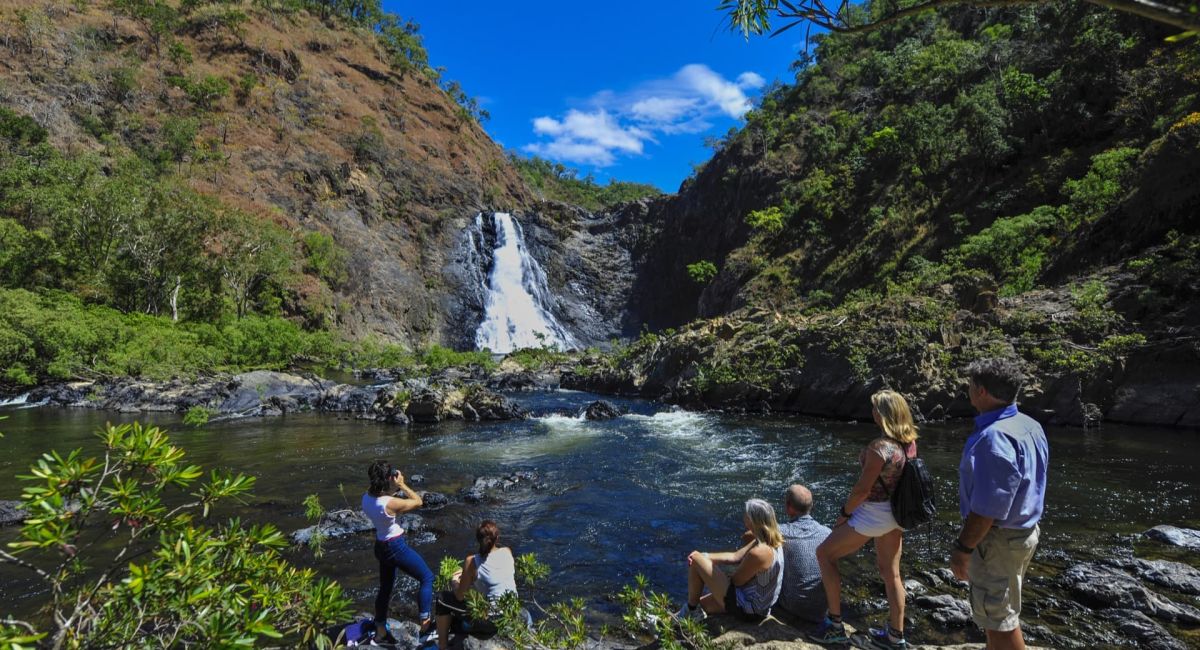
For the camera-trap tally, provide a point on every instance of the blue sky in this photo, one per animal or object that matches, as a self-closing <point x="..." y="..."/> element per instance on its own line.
<point x="621" y="89"/>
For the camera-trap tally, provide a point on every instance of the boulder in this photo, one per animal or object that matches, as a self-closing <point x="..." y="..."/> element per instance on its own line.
<point x="945" y="610"/>
<point x="484" y="404"/>
<point x="249" y="391"/>
<point x="1108" y="587"/>
<point x="11" y="513"/>
<point x="345" y="398"/>
<point x="1181" y="537"/>
<point x="603" y="410"/>
<point x="433" y="500"/>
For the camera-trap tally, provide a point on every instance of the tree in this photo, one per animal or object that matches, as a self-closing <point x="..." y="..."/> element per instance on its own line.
<point x="122" y="546"/>
<point x="754" y="16"/>
<point x="250" y="250"/>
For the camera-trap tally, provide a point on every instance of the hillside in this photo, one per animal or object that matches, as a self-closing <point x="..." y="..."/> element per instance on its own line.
<point x="312" y="122"/>
<point x="955" y="184"/>
<point x="290" y="181"/>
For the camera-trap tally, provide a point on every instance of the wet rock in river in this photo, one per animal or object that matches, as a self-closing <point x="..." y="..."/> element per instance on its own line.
<point x="485" y="486"/>
<point x="434" y="500"/>
<point x="603" y="410"/>
<point x="334" y="524"/>
<point x="1105" y="587"/>
<point x="945" y="610"/>
<point x="1139" y="627"/>
<point x="343" y="523"/>
<point x="11" y="513"/>
<point x="1175" y="576"/>
<point x="1182" y="537"/>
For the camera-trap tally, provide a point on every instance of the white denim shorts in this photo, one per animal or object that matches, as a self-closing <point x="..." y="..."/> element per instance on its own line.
<point x="873" y="519"/>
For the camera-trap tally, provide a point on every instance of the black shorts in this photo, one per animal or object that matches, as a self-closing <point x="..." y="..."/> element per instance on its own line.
<point x="732" y="607"/>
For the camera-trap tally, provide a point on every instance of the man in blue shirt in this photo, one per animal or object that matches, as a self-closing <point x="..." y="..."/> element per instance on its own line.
<point x="1001" y="494"/>
<point x="803" y="594"/>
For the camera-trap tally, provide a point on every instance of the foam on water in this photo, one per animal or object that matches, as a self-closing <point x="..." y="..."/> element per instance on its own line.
<point x="19" y="400"/>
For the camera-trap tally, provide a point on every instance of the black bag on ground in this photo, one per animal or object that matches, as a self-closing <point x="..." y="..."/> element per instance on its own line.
<point x="913" y="502"/>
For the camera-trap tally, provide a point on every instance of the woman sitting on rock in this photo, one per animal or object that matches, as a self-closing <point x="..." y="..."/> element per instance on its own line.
<point x="757" y="576"/>
<point x="492" y="572"/>
<point x="866" y="515"/>
<point x="391" y="549"/>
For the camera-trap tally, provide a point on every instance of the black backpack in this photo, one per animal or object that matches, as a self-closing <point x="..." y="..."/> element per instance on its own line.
<point x="913" y="501"/>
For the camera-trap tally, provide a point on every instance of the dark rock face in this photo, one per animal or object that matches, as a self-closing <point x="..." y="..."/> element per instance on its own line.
<point x="603" y="410"/>
<point x="11" y="513"/>
<point x="586" y="260"/>
<point x="1107" y="587"/>
<point x="1182" y="537"/>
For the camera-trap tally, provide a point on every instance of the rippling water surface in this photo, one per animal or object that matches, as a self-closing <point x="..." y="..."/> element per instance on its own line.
<point x="630" y="495"/>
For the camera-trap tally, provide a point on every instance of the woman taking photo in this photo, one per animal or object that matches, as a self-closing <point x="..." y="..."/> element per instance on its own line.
<point x="866" y="515"/>
<point x="391" y="549"/>
<point x="492" y="572"/>
<point x="754" y="584"/>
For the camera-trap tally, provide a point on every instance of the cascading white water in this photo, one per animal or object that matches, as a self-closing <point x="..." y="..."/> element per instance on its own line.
<point x="516" y="313"/>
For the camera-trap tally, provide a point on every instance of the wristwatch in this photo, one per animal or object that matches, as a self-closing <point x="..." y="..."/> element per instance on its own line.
<point x="962" y="548"/>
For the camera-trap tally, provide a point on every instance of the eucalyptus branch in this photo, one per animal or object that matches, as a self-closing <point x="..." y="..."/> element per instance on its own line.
<point x="16" y="623"/>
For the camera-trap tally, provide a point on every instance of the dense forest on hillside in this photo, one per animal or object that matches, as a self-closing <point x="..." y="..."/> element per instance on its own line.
<point x="952" y="184"/>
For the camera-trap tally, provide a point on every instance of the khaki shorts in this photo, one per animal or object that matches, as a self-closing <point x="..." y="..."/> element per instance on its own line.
<point x="996" y="571"/>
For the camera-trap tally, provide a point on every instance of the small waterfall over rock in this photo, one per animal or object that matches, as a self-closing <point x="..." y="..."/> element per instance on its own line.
<point x="517" y="305"/>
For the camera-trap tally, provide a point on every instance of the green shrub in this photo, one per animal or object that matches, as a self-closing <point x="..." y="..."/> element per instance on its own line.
<point x="187" y="581"/>
<point x="769" y="220"/>
<point x="702" y="272"/>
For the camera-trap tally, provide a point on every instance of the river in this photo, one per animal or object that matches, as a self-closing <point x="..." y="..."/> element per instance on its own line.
<point x="637" y="493"/>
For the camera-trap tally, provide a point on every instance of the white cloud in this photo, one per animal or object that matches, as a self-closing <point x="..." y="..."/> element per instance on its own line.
<point x="663" y="109"/>
<point x="750" y="81"/>
<point x="617" y="123"/>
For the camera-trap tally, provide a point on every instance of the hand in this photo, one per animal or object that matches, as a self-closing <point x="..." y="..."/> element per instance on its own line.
<point x="840" y="521"/>
<point x="958" y="563"/>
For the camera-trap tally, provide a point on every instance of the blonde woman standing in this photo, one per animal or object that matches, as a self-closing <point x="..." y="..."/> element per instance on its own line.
<point x="866" y="515"/>
<point x="754" y="584"/>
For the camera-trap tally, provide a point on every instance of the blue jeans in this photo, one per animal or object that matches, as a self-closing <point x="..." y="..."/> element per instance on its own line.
<point x="396" y="554"/>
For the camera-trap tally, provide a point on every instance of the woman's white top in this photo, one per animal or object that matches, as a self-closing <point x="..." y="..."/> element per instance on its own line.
<point x="495" y="574"/>
<point x="376" y="510"/>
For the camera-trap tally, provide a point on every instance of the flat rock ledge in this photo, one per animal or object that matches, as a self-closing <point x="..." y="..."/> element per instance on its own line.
<point x="266" y="393"/>
<point x="773" y="634"/>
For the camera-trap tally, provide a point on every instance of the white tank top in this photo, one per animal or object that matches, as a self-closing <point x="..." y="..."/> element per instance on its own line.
<point x="376" y="510"/>
<point x="495" y="574"/>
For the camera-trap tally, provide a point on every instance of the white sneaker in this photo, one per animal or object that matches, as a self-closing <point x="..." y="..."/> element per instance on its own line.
<point x="686" y="612"/>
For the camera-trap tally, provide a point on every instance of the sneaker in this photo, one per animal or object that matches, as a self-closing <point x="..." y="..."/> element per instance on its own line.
<point x="428" y="633"/>
<point x="387" y="640"/>
<point x="829" y="633"/>
<point x="880" y="639"/>
<point x="697" y="614"/>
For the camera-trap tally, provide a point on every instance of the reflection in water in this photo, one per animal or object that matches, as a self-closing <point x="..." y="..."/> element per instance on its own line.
<point x="629" y="495"/>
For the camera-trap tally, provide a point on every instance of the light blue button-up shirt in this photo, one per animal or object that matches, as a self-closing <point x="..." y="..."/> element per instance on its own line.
<point x="1002" y="474"/>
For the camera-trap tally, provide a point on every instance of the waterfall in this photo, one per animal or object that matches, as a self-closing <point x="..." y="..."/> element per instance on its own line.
<point x="516" y="311"/>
